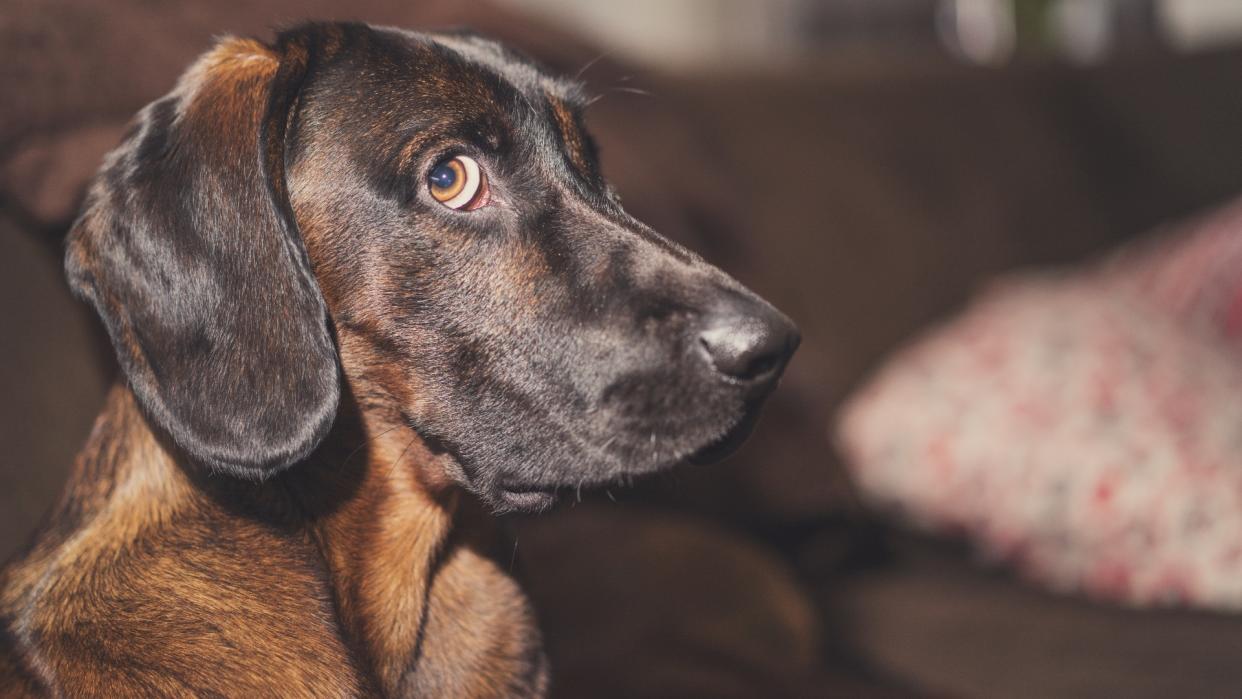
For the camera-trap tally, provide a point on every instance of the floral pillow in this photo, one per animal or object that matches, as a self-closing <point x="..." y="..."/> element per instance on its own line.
<point x="1084" y="426"/>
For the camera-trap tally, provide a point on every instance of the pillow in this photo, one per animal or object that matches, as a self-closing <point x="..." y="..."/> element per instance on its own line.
<point x="1083" y="426"/>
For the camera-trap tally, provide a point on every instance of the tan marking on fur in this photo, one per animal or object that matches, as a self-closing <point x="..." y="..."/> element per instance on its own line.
<point x="230" y="61"/>
<point x="572" y="136"/>
<point x="226" y="90"/>
<point x="400" y="529"/>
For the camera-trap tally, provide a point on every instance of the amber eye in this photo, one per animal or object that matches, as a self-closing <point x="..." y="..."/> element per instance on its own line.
<point x="458" y="183"/>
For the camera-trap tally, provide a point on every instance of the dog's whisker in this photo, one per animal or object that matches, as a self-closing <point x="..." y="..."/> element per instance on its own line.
<point x="631" y="90"/>
<point x="619" y="88"/>
<point x="401" y="455"/>
<point x="529" y="105"/>
<point x="365" y="442"/>
<point x="590" y="64"/>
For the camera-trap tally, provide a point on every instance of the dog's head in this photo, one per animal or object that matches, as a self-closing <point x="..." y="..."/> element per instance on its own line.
<point x="425" y="211"/>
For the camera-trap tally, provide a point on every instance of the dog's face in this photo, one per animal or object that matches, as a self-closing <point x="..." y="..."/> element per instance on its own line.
<point x="437" y="198"/>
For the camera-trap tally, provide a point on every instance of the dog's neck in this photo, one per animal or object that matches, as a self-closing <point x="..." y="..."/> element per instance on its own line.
<point x="404" y="571"/>
<point x="382" y="528"/>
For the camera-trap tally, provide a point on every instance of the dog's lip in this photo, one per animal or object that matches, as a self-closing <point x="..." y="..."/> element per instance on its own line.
<point x="729" y="442"/>
<point x="526" y="498"/>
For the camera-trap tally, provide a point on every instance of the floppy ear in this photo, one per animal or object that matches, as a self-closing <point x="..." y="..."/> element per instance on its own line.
<point x="188" y="249"/>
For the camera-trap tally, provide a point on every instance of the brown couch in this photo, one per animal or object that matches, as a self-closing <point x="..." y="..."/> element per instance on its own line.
<point x="865" y="201"/>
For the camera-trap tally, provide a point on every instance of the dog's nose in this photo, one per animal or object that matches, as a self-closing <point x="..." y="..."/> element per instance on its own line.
<point x="748" y="342"/>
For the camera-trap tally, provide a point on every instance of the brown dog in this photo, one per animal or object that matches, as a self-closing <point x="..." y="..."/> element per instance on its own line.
<point x="360" y="282"/>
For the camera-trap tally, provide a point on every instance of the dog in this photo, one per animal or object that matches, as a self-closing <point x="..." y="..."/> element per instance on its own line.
<point x="367" y="288"/>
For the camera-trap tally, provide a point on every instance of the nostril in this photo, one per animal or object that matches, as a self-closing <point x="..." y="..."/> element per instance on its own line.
<point x="748" y="348"/>
<point x="761" y="365"/>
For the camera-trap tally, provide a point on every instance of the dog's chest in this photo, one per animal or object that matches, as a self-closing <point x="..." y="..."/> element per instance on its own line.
<point x="480" y="635"/>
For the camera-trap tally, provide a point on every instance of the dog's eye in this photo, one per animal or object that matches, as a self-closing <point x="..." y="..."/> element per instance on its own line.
<point x="458" y="183"/>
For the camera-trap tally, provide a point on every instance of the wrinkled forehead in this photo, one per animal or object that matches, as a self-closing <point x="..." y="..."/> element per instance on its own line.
<point x="517" y="70"/>
<point x="564" y="99"/>
<point x="453" y="85"/>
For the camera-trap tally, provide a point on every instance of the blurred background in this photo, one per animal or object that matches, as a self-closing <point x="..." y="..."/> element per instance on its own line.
<point x="1005" y="460"/>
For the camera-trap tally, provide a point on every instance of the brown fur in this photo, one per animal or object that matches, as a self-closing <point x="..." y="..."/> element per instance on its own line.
<point x="149" y="580"/>
<point x="572" y="135"/>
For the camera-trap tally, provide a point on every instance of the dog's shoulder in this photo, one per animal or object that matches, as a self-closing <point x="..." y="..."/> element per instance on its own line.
<point x="200" y="605"/>
<point x="143" y="584"/>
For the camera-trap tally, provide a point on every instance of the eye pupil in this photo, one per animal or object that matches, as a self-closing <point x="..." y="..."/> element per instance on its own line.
<point x="442" y="177"/>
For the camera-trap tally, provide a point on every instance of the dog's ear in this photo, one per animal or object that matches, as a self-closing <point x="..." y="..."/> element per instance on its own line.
<point x="188" y="249"/>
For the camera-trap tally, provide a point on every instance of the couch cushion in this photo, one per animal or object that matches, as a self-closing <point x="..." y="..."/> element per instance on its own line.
<point x="1082" y="425"/>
